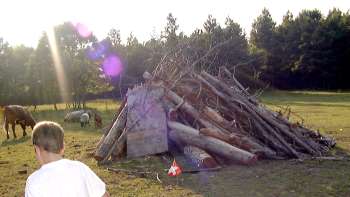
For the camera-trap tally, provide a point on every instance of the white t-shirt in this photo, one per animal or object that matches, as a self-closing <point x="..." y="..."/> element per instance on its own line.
<point x="64" y="178"/>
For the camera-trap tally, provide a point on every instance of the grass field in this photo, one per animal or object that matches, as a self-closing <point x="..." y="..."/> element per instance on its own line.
<point x="329" y="112"/>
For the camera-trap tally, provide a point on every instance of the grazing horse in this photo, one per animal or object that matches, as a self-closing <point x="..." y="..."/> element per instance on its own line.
<point x="16" y="114"/>
<point x="98" y="120"/>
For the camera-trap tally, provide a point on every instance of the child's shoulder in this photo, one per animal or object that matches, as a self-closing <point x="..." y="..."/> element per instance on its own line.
<point x="34" y="177"/>
<point x="76" y="163"/>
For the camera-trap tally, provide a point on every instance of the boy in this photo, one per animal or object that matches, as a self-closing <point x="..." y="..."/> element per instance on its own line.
<point x="59" y="177"/>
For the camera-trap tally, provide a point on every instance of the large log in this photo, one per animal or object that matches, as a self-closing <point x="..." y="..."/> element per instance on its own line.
<point x="199" y="157"/>
<point x="235" y="139"/>
<point x="239" y="89"/>
<point x="218" y="119"/>
<point x="274" y="140"/>
<point x="190" y="110"/>
<point x="118" y="149"/>
<point x="268" y="117"/>
<point x="259" y="133"/>
<point x="106" y="129"/>
<point x="263" y="113"/>
<point x="188" y="135"/>
<point x="242" y="142"/>
<point x="261" y="120"/>
<point x="112" y="136"/>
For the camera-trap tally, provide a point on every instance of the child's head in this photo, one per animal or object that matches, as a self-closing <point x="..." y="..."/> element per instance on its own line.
<point x="48" y="136"/>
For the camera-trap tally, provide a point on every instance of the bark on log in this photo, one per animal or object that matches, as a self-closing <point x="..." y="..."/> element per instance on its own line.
<point x="265" y="152"/>
<point x="217" y="118"/>
<point x="286" y="131"/>
<point x="118" y="146"/>
<point x="106" y="129"/>
<point x="190" y="110"/>
<point x="256" y="128"/>
<point x="199" y="157"/>
<point x="238" y="84"/>
<point x="188" y="135"/>
<point x="119" y="150"/>
<point x="227" y="99"/>
<point x="211" y="133"/>
<point x="264" y="114"/>
<point x="112" y="136"/>
<point x="244" y="143"/>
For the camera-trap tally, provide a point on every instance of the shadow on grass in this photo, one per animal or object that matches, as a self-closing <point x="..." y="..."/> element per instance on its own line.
<point x="266" y="178"/>
<point x="303" y="104"/>
<point x="339" y="152"/>
<point x="12" y="142"/>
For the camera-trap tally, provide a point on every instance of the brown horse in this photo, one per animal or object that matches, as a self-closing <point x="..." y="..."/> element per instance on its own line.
<point x="16" y="114"/>
<point x="98" y="120"/>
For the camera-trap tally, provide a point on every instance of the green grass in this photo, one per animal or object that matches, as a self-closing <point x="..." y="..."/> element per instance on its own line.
<point x="329" y="112"/>
<point x="324" y="111"/>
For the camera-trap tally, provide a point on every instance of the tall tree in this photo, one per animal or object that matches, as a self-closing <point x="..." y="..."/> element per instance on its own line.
<point x="81" y="72"/>
<point x="5" y="53"/>
<point x="170" y="32"/>
<point x="263" y="42"/>
<point x="114" y="37"/>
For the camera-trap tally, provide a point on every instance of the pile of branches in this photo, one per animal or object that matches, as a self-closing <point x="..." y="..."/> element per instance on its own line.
<point x="214" y="119"/>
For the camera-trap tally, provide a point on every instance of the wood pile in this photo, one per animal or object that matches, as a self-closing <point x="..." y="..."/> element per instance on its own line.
<point x="211" y="119"/>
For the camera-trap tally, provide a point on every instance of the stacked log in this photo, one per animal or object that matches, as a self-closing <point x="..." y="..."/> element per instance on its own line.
<point x="214" y="119"/>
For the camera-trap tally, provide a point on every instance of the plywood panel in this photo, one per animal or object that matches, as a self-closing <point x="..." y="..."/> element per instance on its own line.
<point x="146" y="122"/>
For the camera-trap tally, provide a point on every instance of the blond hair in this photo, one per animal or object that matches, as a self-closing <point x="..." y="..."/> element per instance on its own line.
<point x="49" y="136"/>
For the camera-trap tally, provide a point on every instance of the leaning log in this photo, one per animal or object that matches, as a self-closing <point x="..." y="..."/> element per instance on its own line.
<point x="218" y="133"/>
<point x="218" y="119"/>
<point x="190" y="110"/>
<point x="229" y="101"/>
<point x="199" y="157"/>
<point x="106" y="129"/>
<point x="188" y="135"/>
<point x="118" y="149"/>
<point x="112" y="136"/>
<point x="242" y="142"/>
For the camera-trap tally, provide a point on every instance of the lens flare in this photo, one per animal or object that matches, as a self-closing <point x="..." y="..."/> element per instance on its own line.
<point x="62" y="81"/>
<point x="112" y="65"/>
<point x="98" y="50"/>
<point x="83" y="30"/>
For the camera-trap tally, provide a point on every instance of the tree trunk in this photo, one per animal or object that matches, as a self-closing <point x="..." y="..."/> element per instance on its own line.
<point x="112" y="136"/>
<point x="229" y="101"/>
<point x="216" y="132"/>
<point x="120" y="147"/>
<point x="242" y="142"/>
<point x="108" y="128"/>
<point x="188" y="135"/>
<point x="83" y="100"/>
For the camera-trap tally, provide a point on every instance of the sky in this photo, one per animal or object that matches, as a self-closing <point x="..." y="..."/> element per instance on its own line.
<point x="24" y="21"/>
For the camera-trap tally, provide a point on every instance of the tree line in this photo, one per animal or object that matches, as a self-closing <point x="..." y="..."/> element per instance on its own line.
<point x="307" y="51"/>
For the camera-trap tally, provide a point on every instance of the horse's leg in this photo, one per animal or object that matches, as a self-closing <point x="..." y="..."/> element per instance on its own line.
<point x="24" y="129"/>
<point x="13" y="130"/>
<point x="7" y="130"/>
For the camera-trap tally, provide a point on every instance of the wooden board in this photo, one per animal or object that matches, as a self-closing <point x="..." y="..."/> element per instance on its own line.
<point x="146" y="122"/>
